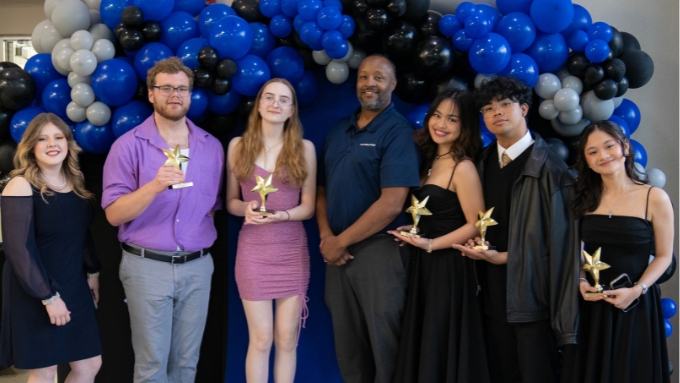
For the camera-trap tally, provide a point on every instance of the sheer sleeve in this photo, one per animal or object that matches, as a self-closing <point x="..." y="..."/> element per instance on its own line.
<point x="90" y="260"/>
<point x="21" y="249"/>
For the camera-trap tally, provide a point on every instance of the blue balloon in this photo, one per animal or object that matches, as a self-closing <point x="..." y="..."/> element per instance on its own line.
<point x="155" y="10"/>
<point x="597" y="50"/>
<point x="192" y="7"/>
<point x="286" y="62"/>
<point x="522" y="67"/>
<point x="339" y="52"/>
<point x="93" y="138"/>
<point x="484" y="129"/>
<point x="630" y="113"/>
<point x="128" y="116"/>
<point x="110" y="11"/>
<point x="211" y="14"/>
<point x="580" y="22"/>
<point x="311" y="34"/>
<point x="309" y="9"/>
<point x="332" y="40"/>
<point x="550" y="51"/>
<point x="639" y="153"/>
<point x="20" y="121"/>
<point x="252" y="73"/>
<point x="188" y="51"/>
<point x="333" y="3"/>
<point x="486" y="140"/>
<point x="462" y="41"/>
<point x="263" y="40"/>
<point x="177" y="28"/>
<point x="478" y="25"/>
<point x="199" y="104"/>
<point x="668" y="327"/>
<point x="347" y="26"/>
<point x="601" y="31"/>
<point x="552" y="16"/>
<point x="289" y="8"/>
<point x="622" y="124"/>
<point x="114" y="82"/>
<point x="281" y="26"/>
<point x="148" y="56"/>
<point x="232" y="37"/>
<point x="449" y="24"/>
<point x="489" y="54"/>
<point x="488" y="11"/>
<point x="578" y="41"/>
<point x="224" y="104"/>
<point x="306" y="89"/>
<point x="506" y="7"/>
<point x="417" y="116"/>
<point x="41" y="69"/>
<point x="559" y="148"/>
<point x="518" y="29"/>
<point x="668" y="307"/>
<point x="270" y="8"/>
<point x="298" y="22"/>
<point x="329" y="18"/>
<point x="464" y="10"/>
<point x="56" y="97"/>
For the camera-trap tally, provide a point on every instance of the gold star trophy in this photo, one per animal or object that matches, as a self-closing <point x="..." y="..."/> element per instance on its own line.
<point x="593" y="265"/>
<point x="483" y="223"/>
<point x="416" y="209"/>
<point x="264" y="186"/>
<point x="175" y="158"/>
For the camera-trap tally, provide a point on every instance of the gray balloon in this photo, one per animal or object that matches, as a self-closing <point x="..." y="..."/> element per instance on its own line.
<point x="480" y="78"/>
<point x="573" y="82"/>
<point x="548" y="84"/>
<point x="321" y="57"/>
<point x="74" y="79"/>
<point x="56" y="66"/>
<point x="70" y="16"/>
<point x="101" y="31"/>
<point x="562" y="73"/>
<point x="571" y="117"/>
<point x="49" y="38"/>
<point x="81" y="40"/>
<point x="92" y="4"/>
<point x="547" y="110"/>
<point x="63" y="58"/>
<point x="49" y="7"/>
<point x="566" y="100"/>
<point x="103" y="50"/>
<point x="37" y="34"/>
<point x="656" y="177"/>
<point x="356" y="59"/>
<point x="617" y="101"/>
<point x="595" y="109"/>
<point x="98" y="113"/>
<point x="640" y="170"/>
<point x="83" y="62"/>
<point x="82" y="94"/>
<point x="337" y="72"/>
<point x="95" y="17"/>
<point x="558" y="147"/>
<point x="75" y="112"/>
<point x="565" y="130"/>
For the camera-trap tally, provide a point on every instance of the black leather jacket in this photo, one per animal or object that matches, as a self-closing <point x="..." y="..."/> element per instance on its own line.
<point x="543" y="244"/>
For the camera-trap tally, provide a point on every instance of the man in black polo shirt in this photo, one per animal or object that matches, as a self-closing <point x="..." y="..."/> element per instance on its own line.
<point x="529" y="283"/>
<point x="369" y="162"/>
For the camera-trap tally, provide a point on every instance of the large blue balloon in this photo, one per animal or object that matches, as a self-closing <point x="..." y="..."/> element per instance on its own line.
<point x="332" y="41"/>
<point x="263" y="40"/>
<point x="56" y="96"/>
<point x="270" y="8"/>
<point x="188" y="52"/>
<point x="489" y="54"/>
<point x="252" y="73"/>
<point x="177" y="28"/>
<point x="211" y="15"/>
<point x="417" y="116"/>
<point x="281" y="26"/>
<point x="578" y="41"/>
<point x="309" y="9"/>
<point x="224" y="104"/>
<point x="155" y="10"/>
<point x="20" y="121"/>
<point x="622" y="124"/>
<point x="518" y="29"/>
<point x="347" y="26"/>
<point x="329" y="18"/>
<point x="580" y="22"/>
<point x="199" y="104"/>
<point x="114" y="82"/>
<point x="449" y="24"/>
<point x="128" y="116"/>
<point x="110" y="11"/>
<point x="232" y="37"/>
<point x="289" y="8"/>
<point x="668" y="308"/>
<point x="601" y="31"/>
<point x="478" y="25"/>
<point x="462" y="41"/>
<point x="506" y="7"/>
<point x="298" y="22"/>
<point x="148" y="56"/>
<point x="639" y="153"/>
<point x="306" y="89"/>
<point x="523" y="67"/>
<point x="630" y="113"/>
<point x="287" y="63"/>
<point x="488" y="11"/>
<point x="464" y="10"/>
<point x="552" y="16"/>
<point x="550" y="51"/>
<point x="192" y="7"/>
<point x="41" y="69"/>
<point x="93" y="138"/>
<point x="597" y="50"/>
<point x="311" y="34"/>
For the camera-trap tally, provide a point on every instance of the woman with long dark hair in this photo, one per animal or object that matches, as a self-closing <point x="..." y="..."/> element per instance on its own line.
<point x="442" y="338"/>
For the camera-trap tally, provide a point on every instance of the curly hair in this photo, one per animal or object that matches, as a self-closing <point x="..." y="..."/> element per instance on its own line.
<point x="171" y="65"/>
<point x="588" y="190"/>
<point x="468" y="143"/>
<point x="500" y="88"/>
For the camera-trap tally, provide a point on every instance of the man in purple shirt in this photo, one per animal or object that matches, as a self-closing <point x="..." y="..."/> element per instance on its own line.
<point x="165" y="232"/>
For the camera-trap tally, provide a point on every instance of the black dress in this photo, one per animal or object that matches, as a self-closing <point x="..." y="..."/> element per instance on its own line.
<point x="48" y="250"/>
<point x="442" y="339"/>
<point x="615" y="346"/>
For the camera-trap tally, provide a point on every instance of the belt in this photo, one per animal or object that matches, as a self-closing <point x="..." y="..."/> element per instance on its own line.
<point x="158" y="256"/>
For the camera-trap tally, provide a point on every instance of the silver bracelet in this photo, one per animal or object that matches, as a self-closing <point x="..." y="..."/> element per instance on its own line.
<point x="50" y="300"/>
<point x="429" y="246"/>
<point x="584" y="280"/>
<point x="92" y="275"/>
<point x="644" y="287"/>
<point x="286" y="211"/>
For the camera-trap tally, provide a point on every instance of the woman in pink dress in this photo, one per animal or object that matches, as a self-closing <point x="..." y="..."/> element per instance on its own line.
<point x="272" y="260"/>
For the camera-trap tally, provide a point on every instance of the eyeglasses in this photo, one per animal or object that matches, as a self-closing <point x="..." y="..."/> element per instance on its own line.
<point x="167" y="90"/>
<point x="284" y="102"/>
<point x="503" y="105"/>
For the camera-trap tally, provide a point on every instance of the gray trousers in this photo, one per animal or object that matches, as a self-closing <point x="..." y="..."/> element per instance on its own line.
<point x="366" y="299"/>
<point x="168" y="306"/>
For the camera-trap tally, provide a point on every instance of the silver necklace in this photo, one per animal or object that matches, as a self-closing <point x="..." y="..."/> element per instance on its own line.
<point x="616" y="203"/>
<point x="436" y="158"/>
<point x="55" y="185"/>
<point x="273" y="146"/>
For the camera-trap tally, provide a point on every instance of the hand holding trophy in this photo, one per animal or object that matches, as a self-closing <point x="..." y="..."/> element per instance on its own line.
<point x="175" y="158"/>
<point x="416" y="209"/>
<point x="593" y="266"/>
<point x="483" y="223"/>
<point x="264" y="186"/>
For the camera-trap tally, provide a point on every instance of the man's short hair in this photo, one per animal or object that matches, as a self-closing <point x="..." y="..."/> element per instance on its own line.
<point x="394" y="67"/>
<point x="171" y="65"/>
<point x="500" y="88"/>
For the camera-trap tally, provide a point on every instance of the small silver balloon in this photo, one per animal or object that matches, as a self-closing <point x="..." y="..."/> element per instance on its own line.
<point x="101" y="31"/>
<point x="95" y="17"/>
<point x="337" y="72"/>
<point x="320" y="57"/>
<point x="566" y="100"/>
<point x="640" y="170"/>
<point x="571" y="117"/>
<point x="547" y="85"/>
<point x="37" y="34"/>
<point x="656" y="178"/>
<point x="69" y="16"/>
<point x="595" y="109"/>
<point x="75" y="112"/>
<point x="81" y="40"/>
<point x="49" y="38"/>
<point x="103" y="50"/>
<point x="74" y="78"/>
<point x="565" y="130"/>
<point x="83" y="62"/>
<point x="356" y="59"/>
<point x="562" y="73"/>
<point x="82" y="94"/>
<point x="98" y="113"/>
<point x="573" y="82"/>
<point x="547" y="110"/>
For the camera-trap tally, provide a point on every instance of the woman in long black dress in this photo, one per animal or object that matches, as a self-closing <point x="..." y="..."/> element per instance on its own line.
<point x="50" y="280"/>
<point x="442" y="338"/>
<point x="622" y="337"/>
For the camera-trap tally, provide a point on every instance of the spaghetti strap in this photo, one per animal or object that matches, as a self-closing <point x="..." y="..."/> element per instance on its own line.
<point x="448" y="186"/>
<point x="647" y="206"/>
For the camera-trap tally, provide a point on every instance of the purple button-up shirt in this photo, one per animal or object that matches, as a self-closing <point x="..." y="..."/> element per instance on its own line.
<point x="176" y="217"/>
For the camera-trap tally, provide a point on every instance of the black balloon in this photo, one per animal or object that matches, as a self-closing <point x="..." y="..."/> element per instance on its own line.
<point x="606" y="89"/>
<point x="219" y="125"/>
<point x="630" y="43"/>
<point x="615" y="69"/>
<point x="152" y="31"/>
<point x="307" y="57"/>
<point x="364" y="36"/>
<point x="208" y="57"/>
<point x="8" y="64"/>
<point x="5" y="119"/>
<point x="246" y="106"/>
<point x="396" y="8"/>
<point x="577" y="64"/>
<point x="615" y="44"/>
<point x="119" y="28"/>
<point x="623" y="87"/>
<point x="249" y="10"/>
<point x="132" y="17"/>
<point x="17" y="89"/>
<point x="131" y="39"/>
<point x="639" y="67"/>
<point x="360" y="7"/>
<point x="226" y="68"/>
<point x="377" y="18"/>
<point x="415" y="9"/>
<point x="7" y="150"/>
<point x="376" y="3"/>
<point x="428" y="25"/>
<point x="400" y="42"/>
<point x="594" y="74"/>
<point x="220" y="86"/>
<point x="410" y="87"/>
<point x="434" y="56"/>
<point x="202" y="77"/>
<point x="297" y="40"/>
<point x="142" y="93"/>
<point x="448" y="81"/>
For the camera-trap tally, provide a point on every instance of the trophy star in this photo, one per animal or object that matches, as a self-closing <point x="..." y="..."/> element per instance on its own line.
<point x="485" y="219"/>
<point x="174" y="157"/>
<point x="593" y="262"/>
<point x="418" y="207"/>
<point x="264" y="185"/>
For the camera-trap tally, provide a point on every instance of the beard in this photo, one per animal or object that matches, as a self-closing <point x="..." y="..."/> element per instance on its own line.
<point x="381" y="101"/>
<point x="169" y="114"/>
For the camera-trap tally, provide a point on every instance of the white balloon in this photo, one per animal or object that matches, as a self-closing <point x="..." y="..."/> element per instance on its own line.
<point x="95" y="17"/>
<point x="548" y="84"/>
<point x="82" y="94"/>
<point x="74" y="78"/>
<point x="656" y="178"/>
<point x="571" y="117"/>
<point x="356" y="59"/>
<point x="640" y="170"/>
<point x="595" y="109"/>
<point x="566" y="100"/>
<point x="92" y="4"/>
<point x="81" y="40"/>
<point x="617" y="101"/>
<point x="49" y="7"/>
<point x="63" y="58"/>
<point x="569" y="130"/>
<point x="37" y="34"/>
<point x="103" y="50"/>
<point x="337" y="72"/>
<point x="573" y="82"/>
<point x="83" y="62"/>
<point x="69" y="16"/>
<point x="49" y="38"/>
<point x="98" y="113"/>
<point x="321" y="57"/>
<point x="101" y="31"/>
<point x="349" y="54"/>
<point x="547" y="110"/>
<point x="562" y="73"/>
<point x="56" y="66"/>
<point x="480" y="78"/>
<point x="75" y="112"/>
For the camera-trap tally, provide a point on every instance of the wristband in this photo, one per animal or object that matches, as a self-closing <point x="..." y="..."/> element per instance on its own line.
<point x="50" y="300"/>
<point x="92" y="275"/>
<point x="429" y="246"/>
<point x="286" y="211"/>
<point x="644" y="287"/>
<point x="584" y="280"/>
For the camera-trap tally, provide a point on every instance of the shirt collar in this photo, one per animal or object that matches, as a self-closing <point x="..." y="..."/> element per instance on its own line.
<point x="516" y="149"/>
<point x="149" y="131"/>
<point x="375" y="122"/>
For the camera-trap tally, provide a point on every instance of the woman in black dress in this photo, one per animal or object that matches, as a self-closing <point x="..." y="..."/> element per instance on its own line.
<point x="51" y="278"/>
<point x="442" y="339"/>
<point x="622" y="337"/>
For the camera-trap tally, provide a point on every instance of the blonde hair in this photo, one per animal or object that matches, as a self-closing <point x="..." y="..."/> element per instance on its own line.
<point x="291" y="165"/>
<point x="25" y="163"/>
<point x="171" y="65"/>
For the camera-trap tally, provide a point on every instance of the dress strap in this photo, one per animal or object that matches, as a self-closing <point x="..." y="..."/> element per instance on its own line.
<point x="452" y="171"/>
<point x="647" y="206"/>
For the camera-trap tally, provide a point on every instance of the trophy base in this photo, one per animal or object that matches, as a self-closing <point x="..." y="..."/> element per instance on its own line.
<point x="408" y="234"/>
<point x="182" y="185"/>
<point x="484" y="247"/>
<point x="595" y="295"/>
<point x="266" y="213"/>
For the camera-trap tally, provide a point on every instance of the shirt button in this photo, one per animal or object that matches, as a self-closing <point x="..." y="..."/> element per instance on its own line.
<point x="178" y="220"/>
